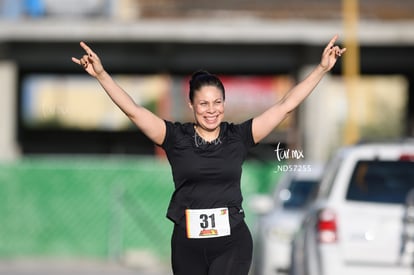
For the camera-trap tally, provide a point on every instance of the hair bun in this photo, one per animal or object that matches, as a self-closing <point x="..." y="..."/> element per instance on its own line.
<point x="199" y="73"/>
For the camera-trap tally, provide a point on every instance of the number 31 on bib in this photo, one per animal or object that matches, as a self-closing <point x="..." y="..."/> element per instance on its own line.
<point x="207" y="223"/>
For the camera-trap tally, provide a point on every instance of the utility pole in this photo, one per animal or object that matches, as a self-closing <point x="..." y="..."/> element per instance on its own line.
<point x="351" y="66"/>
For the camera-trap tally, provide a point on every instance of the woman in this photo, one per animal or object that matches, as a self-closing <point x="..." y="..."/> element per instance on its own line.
<point x="210" y="235"/>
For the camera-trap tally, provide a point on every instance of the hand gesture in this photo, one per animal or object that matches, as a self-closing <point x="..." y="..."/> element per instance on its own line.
<point x="331" y="54"/>
<point x="90" y="61"/>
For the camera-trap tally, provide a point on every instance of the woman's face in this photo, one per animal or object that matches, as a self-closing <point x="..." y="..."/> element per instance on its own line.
<point x="208" y="107"/>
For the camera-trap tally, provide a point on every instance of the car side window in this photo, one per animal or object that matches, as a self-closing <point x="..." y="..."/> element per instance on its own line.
<point x="299" y="193"/>
<point x="381" y="181"/>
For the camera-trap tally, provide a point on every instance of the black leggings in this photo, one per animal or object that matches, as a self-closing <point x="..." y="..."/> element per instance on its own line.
<point x="229" y="255"/>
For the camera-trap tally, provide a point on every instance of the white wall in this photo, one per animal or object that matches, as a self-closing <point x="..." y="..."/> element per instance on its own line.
<point x="321" y="118"/>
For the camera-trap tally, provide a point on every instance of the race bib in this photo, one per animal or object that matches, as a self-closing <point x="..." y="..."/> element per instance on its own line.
<point x="207" y="223"/>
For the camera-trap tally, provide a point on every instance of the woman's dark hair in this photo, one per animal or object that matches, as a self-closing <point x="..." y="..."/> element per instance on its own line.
<point x="202" y="78"/>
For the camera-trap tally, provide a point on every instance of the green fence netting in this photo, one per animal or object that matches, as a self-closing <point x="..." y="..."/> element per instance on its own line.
<point x="99" y="207"/>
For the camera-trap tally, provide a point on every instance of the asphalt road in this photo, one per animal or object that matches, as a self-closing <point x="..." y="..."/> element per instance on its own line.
<point x="81" y="267"/>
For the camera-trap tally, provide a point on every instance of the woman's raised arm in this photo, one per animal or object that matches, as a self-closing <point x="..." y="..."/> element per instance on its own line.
<point x="268" y="120"/>
<point x="149" y="123"/>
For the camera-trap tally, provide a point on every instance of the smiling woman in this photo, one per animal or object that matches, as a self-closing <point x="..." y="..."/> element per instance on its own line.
<point x="210" y="235"/>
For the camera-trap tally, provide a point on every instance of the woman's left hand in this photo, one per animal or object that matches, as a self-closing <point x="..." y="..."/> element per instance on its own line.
<point x="331" y="54"/>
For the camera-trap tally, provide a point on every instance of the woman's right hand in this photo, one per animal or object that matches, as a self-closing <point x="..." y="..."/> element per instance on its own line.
<point x="90" y="61"/>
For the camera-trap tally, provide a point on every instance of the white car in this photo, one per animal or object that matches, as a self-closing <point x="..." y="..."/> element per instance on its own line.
<point x="356" y="223"/>
<point x="281" y="218"/>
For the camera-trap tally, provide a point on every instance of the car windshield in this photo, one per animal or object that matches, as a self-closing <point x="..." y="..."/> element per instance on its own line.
<point x="381" y="181"/>
<point x="298" y="193"/>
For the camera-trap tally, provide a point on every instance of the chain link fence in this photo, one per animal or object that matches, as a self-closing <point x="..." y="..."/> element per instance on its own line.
<point x="100" y="208"/>
<point x="84" y="207"/>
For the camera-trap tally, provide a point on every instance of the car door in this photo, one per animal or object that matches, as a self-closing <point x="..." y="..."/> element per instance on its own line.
<point x="370" y="221"/>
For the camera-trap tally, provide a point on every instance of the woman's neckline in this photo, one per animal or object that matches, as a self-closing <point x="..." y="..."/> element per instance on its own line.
<point x="197" y="132"/>
<point x="200" y="140"/>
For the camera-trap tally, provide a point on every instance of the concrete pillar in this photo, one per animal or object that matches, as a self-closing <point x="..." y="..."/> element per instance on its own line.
<point x="8" y="121"/>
